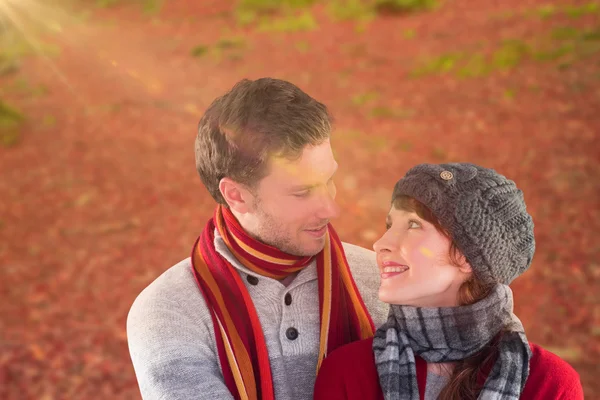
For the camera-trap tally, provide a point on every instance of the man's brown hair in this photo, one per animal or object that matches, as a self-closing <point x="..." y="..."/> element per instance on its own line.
<point x="256" y="120"/>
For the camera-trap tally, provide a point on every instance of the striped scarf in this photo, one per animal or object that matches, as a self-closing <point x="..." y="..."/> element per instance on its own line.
<point x="240" y="342"/>
<point x="449" y="334"/>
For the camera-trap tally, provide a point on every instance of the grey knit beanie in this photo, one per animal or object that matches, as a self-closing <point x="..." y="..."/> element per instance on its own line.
<point x="483" y="211"/>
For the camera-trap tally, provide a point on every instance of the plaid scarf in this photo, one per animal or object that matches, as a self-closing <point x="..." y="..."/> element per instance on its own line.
<point x="240" y="341"/>
<point x="451" y="334"/>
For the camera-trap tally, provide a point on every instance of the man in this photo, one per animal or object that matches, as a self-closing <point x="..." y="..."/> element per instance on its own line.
<point x="269" y="289"/>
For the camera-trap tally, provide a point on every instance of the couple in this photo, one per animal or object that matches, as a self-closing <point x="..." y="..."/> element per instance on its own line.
<point x="272" y="305"/>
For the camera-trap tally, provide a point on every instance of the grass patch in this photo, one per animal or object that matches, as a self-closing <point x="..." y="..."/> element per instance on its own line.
<point x="437" y="65"/>
<point x="364" y="98"/>
<point x="199" y="51"/>
<point x="10" y="121"/>
<point x="579" y="11"/>
<point x="147" y="6"/>
<point x="473" y="66"/>
<point x="301" y="22"/>
<point x="386" y="112"/>
<point x="404" y="6"/>
<point x="342" y="10"/>
<point x="229" y="47"/>
<point x="564" y="44"/>
<point x="250" y="11"/>
<point x="49" y="120"/>
<point x="302" y="46"/>
<point x="234" y="42"/>
<point x="366" y="9"/>
<point x="546" y="11"/>
<point x="509" y="94"/>
<point x="510" y="54"/>
<point x="555" y="53"/>
<point x="272" y="5"/>
<point x="565" y="33"/>
<point x="409" y="34"/>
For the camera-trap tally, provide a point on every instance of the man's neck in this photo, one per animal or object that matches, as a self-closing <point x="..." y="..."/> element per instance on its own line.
<point x="289" y="279"/>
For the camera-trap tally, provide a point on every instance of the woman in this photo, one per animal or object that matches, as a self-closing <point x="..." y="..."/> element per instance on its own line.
<point x="457" y="235"/>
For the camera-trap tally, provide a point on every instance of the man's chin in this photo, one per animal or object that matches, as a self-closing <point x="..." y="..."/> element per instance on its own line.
<point x="314" y="247"/>
<point x="307" y="248"/>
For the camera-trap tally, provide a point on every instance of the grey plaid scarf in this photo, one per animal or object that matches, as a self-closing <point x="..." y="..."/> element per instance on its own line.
<point x="450" y="334"/>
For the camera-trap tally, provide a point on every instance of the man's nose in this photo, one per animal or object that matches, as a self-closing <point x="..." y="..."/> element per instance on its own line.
<point x="329" y="209"/>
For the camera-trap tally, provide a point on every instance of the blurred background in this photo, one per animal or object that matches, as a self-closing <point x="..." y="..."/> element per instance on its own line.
<point x="99" y="103"/>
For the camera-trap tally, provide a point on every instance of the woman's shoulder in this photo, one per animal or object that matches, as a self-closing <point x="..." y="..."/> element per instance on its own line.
<point x="550" y="374"/>
<point x="349" y="372"/>
<point x="361" y="349"/>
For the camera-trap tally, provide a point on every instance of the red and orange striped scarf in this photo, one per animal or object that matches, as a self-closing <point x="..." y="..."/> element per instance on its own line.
<point x="240" y="340"/>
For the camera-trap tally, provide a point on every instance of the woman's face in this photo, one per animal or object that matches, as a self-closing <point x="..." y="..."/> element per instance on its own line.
<point x="414" y="263"/>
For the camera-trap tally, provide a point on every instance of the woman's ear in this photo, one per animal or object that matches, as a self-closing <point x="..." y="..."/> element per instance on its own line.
<point x="463" y="264"/>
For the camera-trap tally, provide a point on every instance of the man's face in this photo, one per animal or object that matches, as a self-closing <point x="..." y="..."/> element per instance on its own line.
<point x="294" y="203"/>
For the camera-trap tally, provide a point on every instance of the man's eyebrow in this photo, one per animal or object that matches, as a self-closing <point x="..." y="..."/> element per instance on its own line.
<point x="299" y="188"/>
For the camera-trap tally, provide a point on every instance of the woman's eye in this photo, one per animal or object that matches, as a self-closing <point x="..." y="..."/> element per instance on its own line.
<point x="412" y="224"/>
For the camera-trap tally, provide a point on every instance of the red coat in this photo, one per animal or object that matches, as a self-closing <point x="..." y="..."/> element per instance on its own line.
<point x="350" y="373"/>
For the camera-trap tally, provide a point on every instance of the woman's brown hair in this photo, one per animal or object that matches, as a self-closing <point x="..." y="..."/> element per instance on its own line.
<point x="463" y="383"/>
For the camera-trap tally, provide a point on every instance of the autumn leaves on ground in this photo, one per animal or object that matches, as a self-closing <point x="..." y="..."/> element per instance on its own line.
<point x="100" y="195"/>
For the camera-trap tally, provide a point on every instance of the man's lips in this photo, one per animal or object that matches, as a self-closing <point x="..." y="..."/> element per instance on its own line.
<point x="317" y="232"/>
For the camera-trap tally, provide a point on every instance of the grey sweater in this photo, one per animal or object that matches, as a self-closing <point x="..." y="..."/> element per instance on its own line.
<point x="171" y="337"/>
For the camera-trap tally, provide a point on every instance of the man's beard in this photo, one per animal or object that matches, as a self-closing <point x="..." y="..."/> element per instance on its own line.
<point x="273" y="234"/>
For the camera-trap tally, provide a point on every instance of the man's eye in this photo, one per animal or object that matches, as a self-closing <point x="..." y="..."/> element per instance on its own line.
<point x="302" y="194"/>
<point x="387" y="227"/>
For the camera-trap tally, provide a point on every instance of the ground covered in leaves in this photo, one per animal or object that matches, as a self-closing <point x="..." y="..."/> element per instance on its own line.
<point x="100" y="194"/>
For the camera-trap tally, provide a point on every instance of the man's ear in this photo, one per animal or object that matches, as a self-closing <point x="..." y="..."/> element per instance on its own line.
<point x="237" y="196"/>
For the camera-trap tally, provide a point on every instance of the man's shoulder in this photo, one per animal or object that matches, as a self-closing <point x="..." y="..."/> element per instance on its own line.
<point x="174" y="290"/>
<point x="363" y="267"/>
<point x="359" y="257"/>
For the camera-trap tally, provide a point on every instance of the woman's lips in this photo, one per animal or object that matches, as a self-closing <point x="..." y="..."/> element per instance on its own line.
<point x="390" y="269"/>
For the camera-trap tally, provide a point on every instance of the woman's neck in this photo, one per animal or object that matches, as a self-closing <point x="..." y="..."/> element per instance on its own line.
<point x="442" y="369"/>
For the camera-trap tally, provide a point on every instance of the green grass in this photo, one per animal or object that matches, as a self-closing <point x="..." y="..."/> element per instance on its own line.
<point x="302" y="46"/>
<point x="342" y="10"/>
<point x="301" y="22"/>
<point x="272" y="5"/>
<point x="509" y="94"/>
<point x="199" y="50"/>
<point x="147" y="6"/>
<point x="565" y="33"/>
<point x="564" y="45"/>
<point x="386" y="112"/>
<point x="510" y="54"/>
<point x="251" y="11"/>
<point x="579" y="11"/>
<point x="10" y="121"/>
<point x="404" y="6"/>
<point x="473" y="66"/>
<point x="233" y="42"/>
<point x="409" y="34"/>
<point x="572" y="11"/>
<point x="546" y="11"/>
<point x="437" y="65"/>
<point x="364" y="98"/>
<point x="230" y="47"/>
